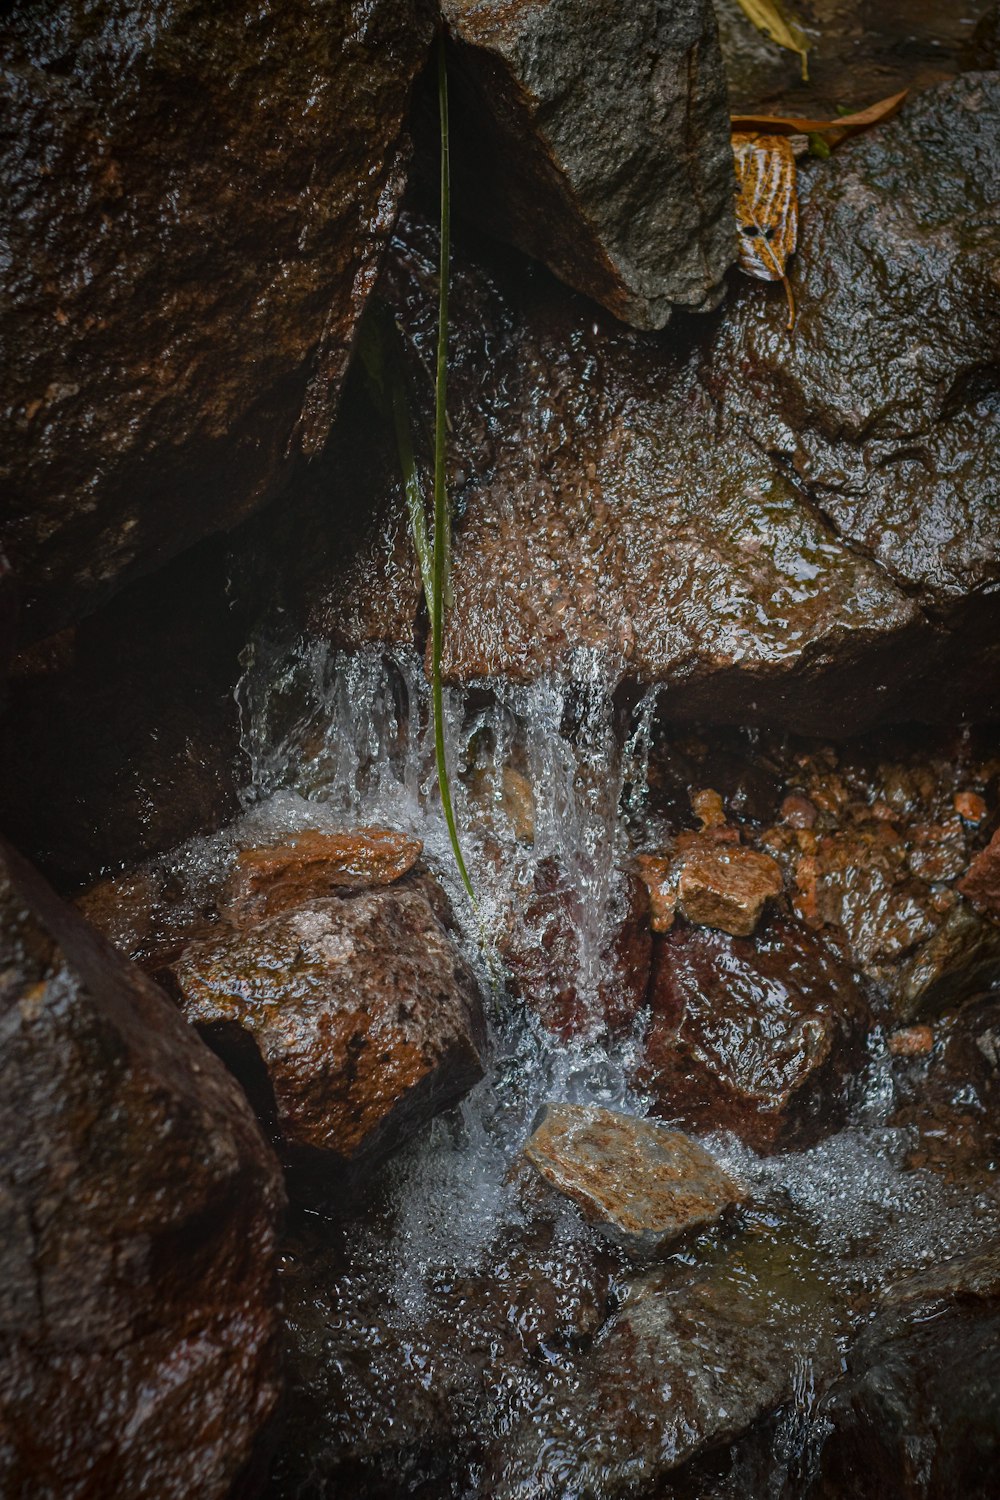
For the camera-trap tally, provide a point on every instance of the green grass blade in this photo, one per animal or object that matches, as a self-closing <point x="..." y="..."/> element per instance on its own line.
<point x="442" y="518"/>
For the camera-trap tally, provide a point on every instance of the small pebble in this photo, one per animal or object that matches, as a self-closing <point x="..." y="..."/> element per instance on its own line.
<point x="798" y="812"/>
<point x="708" y="809"/>
<point x="970" y="806"/>
<point x="912" y="1041"/>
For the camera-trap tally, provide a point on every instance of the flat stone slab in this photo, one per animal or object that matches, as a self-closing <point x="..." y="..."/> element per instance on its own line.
<point x="642" y="1185"/>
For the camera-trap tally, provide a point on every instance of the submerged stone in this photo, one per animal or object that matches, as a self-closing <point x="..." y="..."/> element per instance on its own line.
<point x="139" y="1216"/>
<point x="573" y="123"/>
<point x="688" y="1362"/>
<point x="916" y="1414"/>
<point x="756" y="1036"/>
<point x="642" y="1185"/>
<point x="352" y="1021"/>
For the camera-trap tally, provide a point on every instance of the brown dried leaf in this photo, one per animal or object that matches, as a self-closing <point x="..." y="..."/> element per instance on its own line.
<point x="767" y="207"/>
<point x="833" y="131"/>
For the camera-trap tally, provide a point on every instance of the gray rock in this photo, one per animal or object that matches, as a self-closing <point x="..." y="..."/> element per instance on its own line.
<point x="916" y="1415"/>
<point x="139" y="1209"/>
<point x="685" y="1365"/>
<point x="642" y="1185"/>
<point x="595" y="136"/>
<point x="197" y="200"/>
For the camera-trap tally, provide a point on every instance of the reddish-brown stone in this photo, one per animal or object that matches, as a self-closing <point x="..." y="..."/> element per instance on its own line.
<point x="352" y="1021"/>
<point x="981" y="885"/>
<point x="642" y="1185"/>
<point x="272" y="878"/>
<point x="751" y="1036"/>
<point x="139" y="1210"/>
<point x="727" y="886"/>
<point x="546" y="963"/>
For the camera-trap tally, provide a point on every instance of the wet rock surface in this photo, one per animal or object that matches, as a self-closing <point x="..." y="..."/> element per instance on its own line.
<point x="687" y="1363"/>
<point x="916" y="1414"/>
<point x="570" y="989"/>
<point x="351" y="1020"/>
<point x="794" y="530"/>
<point x="140" y="1209"/>
<point x="857" y="53"/>
<point x="597" y="140"/>
<point x="640" y="1184"/>
<point x="189" y="257"/>
<point x="725" y="886"/>
<point x="267" y="879"/>
<point x="757" y="1037"/>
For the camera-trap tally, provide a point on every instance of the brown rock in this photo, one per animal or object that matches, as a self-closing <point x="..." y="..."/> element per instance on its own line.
<point x="856" y="884"/>
<point x="276" y="877"/>
<point x="352" y="1021"/>
<point x="912" y="1041"/>
<point x="798" y="812"/>
<point x="754" y="1037"/>
<point x="139" y="1208"/>
<point x="548" y="967"/>
<point x="949" y="1098"/>
<point x="642" y="1185"/>
<point x="659" y="875"/>
<point x="970" y="806"/>
<point x="708" y="809"/>
<point x="958" y="962"/>
<point x="188" y="261"/>
<point x="572" y="124"/>
<point x="726" y="887"/>
<point x="981" y="885"/>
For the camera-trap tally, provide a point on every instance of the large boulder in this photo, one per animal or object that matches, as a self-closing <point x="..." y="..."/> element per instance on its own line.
<point x="197" y="197"/>
<point x="139" y="1209"/>
<point x="596" y="137"/>
<point x="795" y="529"/>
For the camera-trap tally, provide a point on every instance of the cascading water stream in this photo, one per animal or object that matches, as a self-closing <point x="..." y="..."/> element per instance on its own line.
<point x="551" y="774"/>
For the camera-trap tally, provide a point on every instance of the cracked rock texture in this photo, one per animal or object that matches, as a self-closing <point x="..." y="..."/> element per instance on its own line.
<point x="797" y="529"/>
<point x="198" y="199"/>
<point x="595" y="136"/>
<point x="139" y="1209"/>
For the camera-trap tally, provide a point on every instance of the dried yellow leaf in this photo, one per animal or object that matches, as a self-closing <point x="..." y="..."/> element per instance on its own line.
<point x="769" y="17"/>
<point x="767" y="208"/>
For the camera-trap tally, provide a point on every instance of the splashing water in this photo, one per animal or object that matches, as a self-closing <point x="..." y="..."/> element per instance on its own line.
<point x="335" y="741"/>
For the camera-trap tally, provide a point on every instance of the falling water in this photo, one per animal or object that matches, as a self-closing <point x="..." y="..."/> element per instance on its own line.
<point x="336" y="741"/>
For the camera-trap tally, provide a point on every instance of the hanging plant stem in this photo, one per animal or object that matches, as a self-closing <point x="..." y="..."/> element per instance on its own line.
<point x="442" y="517"/>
